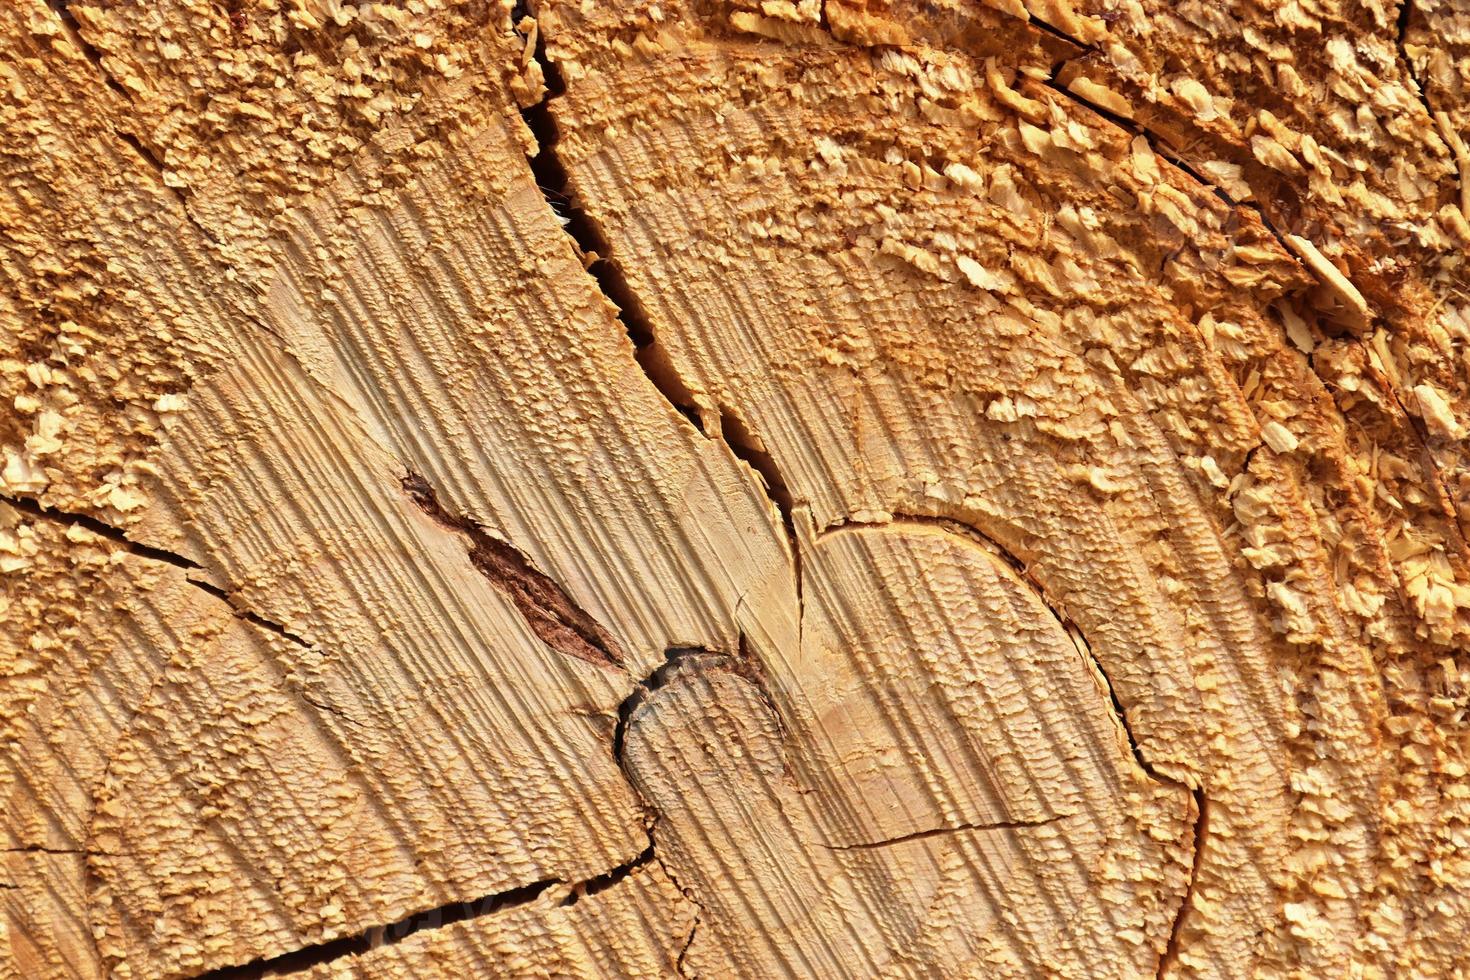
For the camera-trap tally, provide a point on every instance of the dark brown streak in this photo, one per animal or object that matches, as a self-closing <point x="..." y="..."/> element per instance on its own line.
<point x="592" y="244"/>
<point x="548" y="610"/>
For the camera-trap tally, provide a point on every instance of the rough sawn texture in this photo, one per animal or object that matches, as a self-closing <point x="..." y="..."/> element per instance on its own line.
<point x="734" y="489"/>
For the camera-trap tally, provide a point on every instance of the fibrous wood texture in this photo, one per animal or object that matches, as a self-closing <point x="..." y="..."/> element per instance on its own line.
<point x="756" y="488"/>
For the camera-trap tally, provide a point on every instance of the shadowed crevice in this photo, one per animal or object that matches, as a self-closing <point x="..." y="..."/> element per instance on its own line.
<point x="1201" y="829"/>
<point x="1401" y="31"/>
<point x="675" y="659"/>
<point x="592" y="243"/>
<point x="119" y="537"/>
<point x="436" y="918"/>
<point x="145" y="152"/>
<point x="600" y="258"/>
<point x="62" y="9"/>
<point x="385" y="935"/>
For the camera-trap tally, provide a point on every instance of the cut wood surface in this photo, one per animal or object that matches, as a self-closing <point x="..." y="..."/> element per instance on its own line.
<point x="734" y="488"/>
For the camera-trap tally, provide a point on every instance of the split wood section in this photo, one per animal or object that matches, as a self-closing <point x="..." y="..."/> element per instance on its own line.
<point x="782" y="488"/>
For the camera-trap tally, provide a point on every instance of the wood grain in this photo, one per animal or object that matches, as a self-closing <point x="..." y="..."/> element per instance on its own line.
<point x="717" y="488"/>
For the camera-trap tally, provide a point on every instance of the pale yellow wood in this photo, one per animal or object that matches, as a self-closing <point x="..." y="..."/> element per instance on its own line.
<point x="638" y="927"/>
<point x="998" y="306"/>
<point x="782" y="488"/>
<point x="971" y="846"/>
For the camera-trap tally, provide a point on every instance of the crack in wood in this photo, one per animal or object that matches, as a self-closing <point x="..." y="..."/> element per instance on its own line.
<point x="597" y="251"/>
<point x="1420" y="431"/>
<point x="688" y="940"/>
<point x="943" y="831"/>
<point x="1201" y="828"/>
<point x="1401" y="30"/>
<point x="62" y="9"/>
<point x="376" y="937"/>
<point x="675" y="658"/>
<point x="592" y="243"/>
<point x="608" y="879"/>
<point x="117" y="536"/>
<point x="747" y="448"/>
<point x="546" y="607"/>
<point x="1056" y="32"/>
<point x="1159" y="145"/>
<point x="38" y="510"/>
<point x="532" y="591"/>
<point x="1023" y="572"/>
<point x="1415" y="424"/>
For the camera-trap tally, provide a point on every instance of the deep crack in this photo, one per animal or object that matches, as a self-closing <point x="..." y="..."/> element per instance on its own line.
<point x="688" y="940"/>
<point x="608" y="879"/>
<point x="674" y="658"/>
<point x="146" y="153"/>
<point x="747" y="448"/>
<point x="1057" y="32"/>
<point x="1201" y="828"/>
<point x="1454" y="142"/>
<point x="591" y="242"/>
<point x="119" y="537"/>
<point x="1160" y="147"/>
<point x="384" y="935"/>
<point x="36" y="509"/>
<point x="62" y="8"/>
<point x="1406" y="12"/>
